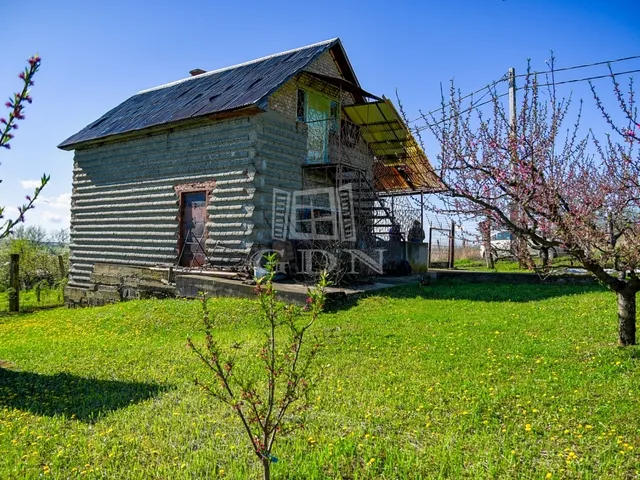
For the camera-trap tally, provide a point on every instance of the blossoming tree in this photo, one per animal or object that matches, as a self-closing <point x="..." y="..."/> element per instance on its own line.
<point x="538" y="180"/>
<point x="8" y="126"/>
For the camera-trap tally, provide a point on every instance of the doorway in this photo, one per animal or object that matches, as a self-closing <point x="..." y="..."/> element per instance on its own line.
<point x="193" y="220"/>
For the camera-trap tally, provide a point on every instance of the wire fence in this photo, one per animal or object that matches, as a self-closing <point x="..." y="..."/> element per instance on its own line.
<point x="35" y="298"/>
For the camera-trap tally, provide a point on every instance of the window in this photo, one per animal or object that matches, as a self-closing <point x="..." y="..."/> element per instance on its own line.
<point x="302" y="102"/>
<point x="502" y="236"/>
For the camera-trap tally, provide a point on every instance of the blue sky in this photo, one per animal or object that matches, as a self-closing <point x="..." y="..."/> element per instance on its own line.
<point x="96" y="54"/>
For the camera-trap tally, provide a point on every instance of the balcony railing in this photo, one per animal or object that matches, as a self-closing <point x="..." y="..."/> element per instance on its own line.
<point x="334" y="141"/>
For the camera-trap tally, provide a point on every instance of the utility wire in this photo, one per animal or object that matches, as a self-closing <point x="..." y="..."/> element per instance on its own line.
<point x="564" y="69"/>
<point x="486" y="87"/>
<point x="575" y="67"/>
<point x="608" y="75"/>
<point x="468" y="109"/>
<point x="473" y="106"/>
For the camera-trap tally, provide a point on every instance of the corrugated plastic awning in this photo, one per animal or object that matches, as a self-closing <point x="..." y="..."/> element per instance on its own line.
<point x="402" y="166"/>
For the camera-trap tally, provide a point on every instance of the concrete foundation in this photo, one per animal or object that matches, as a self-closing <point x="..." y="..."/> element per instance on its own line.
<point x="114" y="283"/>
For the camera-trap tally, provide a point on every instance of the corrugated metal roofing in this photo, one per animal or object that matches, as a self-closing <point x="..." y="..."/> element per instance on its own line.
<point x="213" y="92"/>
<point x="401" y="165"/>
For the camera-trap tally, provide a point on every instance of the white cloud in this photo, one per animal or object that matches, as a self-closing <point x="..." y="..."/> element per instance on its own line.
<point x="61" y="202"/>
<point x="9" y="212"/>
<point x="52" y="217"/>
<point x="30" y="184"/>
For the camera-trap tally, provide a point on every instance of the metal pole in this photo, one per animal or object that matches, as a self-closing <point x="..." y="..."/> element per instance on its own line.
<point x="422" y="210"/>
<point x="452" y="243"/>
<point x="429" y="249"/>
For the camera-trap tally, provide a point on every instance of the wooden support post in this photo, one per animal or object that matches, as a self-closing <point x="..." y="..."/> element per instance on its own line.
<point x="452" y="243"/>
<point x="422" y="210"/>
<point x="61" y="266"/>
<point x="14" y="283"/>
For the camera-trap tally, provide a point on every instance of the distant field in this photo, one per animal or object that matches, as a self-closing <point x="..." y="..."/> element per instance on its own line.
<point x="444" y="381"/>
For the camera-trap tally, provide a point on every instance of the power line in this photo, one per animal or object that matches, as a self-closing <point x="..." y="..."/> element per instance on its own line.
<point x="468" y="109"/>
<point x="473" y="106"/>
<point x="486" y="87"/>
<point x="586" y="65"/>
<point x="608" y="75"/>
<point x="504" y="78"/>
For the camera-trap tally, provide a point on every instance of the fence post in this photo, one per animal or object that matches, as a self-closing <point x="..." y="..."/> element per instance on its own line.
<point x="452" y="243"/>
<point x="14" y="283"/>
<point x="429" y="249"/>
<point x="61" y="266"/>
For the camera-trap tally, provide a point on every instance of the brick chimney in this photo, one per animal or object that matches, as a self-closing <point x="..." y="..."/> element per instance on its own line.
<point x="197" y="71"/>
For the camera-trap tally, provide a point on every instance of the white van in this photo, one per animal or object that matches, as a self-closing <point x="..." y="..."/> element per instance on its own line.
<point x="503" y="246"/>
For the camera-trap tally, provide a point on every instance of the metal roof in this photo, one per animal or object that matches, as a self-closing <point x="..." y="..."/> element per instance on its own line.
<point x="209" y="93"/>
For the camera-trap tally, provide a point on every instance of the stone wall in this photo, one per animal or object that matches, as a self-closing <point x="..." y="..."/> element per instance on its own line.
<point x="111" y="283"/>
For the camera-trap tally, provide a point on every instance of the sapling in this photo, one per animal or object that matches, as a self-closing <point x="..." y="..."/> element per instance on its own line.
<point x="264" y="405"/>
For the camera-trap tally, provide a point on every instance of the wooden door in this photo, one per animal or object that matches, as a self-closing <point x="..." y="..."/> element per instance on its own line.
<point x="193" y="229"/>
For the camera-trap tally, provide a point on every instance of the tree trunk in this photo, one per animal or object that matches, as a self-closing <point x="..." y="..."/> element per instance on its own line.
<point x="522" y="252"/>
<point x="485" y="228"/>
<point x="544" y="256"/>
<point x="266" y="468"/>
<point x="488" y="256"/>
<point x="626" y="317"/>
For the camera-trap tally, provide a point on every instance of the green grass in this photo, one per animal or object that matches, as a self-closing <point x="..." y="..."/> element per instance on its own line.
<point x="507" y="265"/>
<point x="502" y="265"/>
<point x="444" y="381"/>
<point x="49" y="297"/>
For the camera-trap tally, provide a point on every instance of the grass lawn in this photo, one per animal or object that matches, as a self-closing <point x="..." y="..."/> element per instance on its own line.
<point x="508" y="265"/>
<point x="502" y="265"/>
<point x="49" y="297"/>
<point x="444" y="381"/>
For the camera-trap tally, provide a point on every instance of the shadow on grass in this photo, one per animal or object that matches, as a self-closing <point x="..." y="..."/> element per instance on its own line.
<point x="491" y="292"/>
<point x="84" y="399"/>
<point x="477" y="292"/>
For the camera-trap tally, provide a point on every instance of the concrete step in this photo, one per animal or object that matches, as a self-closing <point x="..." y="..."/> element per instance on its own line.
<point x="190" y="286"/>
